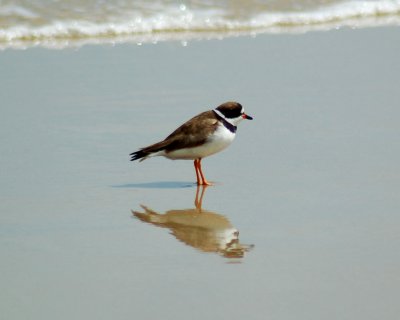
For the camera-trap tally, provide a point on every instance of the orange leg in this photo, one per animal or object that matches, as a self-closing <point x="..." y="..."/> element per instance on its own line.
<point x="204" y="182"/>
<point x="196" y="168"/>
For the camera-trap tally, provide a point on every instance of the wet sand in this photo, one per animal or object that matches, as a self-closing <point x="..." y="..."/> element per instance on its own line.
<point x="302" y="222"/>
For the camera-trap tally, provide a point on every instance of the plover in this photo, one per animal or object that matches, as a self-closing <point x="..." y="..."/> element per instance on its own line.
<point x="202" y="136"/>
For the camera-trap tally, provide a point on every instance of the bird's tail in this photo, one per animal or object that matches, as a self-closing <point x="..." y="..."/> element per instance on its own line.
<point x="139" y="155"/>
<point x="146" y="152"/>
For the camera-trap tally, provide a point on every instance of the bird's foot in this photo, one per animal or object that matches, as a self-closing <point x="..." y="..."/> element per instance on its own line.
<point x="204" y="183"/>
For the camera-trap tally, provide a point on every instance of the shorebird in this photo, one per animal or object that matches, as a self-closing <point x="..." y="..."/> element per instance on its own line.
<point x="204" y="135"/>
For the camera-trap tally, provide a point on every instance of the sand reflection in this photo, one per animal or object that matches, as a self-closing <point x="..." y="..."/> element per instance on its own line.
<point x="204" y="230"/>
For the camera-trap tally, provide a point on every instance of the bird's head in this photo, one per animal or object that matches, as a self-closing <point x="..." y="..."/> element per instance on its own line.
<point x="233" y="112"/>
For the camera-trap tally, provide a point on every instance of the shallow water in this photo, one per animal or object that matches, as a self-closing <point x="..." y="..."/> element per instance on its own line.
<point x="60" y="24"/>
<point x="307" y="194"/>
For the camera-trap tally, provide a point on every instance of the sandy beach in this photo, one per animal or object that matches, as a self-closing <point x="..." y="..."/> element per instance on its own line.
<point x="311" y="185"/>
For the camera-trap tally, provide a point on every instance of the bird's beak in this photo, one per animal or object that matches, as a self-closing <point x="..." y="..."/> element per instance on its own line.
<point x="246" y="116"/>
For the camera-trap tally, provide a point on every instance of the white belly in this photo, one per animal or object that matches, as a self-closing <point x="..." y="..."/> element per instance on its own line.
<point x="221" y="139"/>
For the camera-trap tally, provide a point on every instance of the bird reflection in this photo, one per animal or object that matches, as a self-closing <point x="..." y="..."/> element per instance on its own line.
<point x="204" y="230"/>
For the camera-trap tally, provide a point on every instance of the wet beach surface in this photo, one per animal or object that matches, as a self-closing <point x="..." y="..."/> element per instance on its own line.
<point x="302" y="222"/>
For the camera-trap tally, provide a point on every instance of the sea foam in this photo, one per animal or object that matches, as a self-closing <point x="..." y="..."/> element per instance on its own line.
<point x="23" y="27"/>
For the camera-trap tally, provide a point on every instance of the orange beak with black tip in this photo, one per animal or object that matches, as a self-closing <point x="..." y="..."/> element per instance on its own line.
<point x="246" y="116"/>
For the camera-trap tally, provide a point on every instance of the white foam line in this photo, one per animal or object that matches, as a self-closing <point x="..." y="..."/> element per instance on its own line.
<point x="203" y="25"/>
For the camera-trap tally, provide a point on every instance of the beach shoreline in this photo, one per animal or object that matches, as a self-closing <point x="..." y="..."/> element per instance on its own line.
<point x="312" y="182"/>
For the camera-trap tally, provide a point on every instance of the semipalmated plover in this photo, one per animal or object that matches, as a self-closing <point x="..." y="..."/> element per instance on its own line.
<point x="205" y="134"/>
